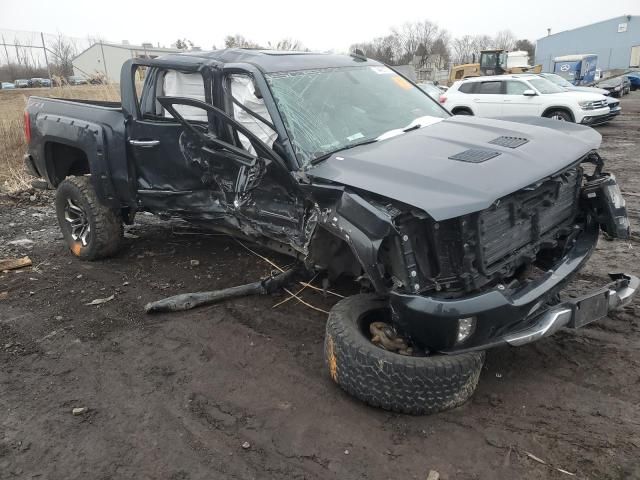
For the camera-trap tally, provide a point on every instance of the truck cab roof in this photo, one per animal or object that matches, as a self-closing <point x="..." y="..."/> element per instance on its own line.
<point x="271" y="61"/>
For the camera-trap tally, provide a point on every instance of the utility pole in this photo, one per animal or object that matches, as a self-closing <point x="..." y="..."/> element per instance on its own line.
<point x="46" y="59"/>
<point x="6" y="51"/>
<point x="104" y="63"/>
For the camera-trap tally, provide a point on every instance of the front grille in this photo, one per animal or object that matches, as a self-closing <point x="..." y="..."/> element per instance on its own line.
<point x="599" y="104"/>
<point x="517" y="225"/>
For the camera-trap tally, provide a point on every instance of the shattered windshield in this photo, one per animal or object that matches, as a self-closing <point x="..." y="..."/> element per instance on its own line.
<point x="330" y="109"/>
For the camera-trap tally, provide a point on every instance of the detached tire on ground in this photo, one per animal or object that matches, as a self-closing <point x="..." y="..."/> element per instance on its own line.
<point x="91" y="229"/>
<point x="405" y="384"/>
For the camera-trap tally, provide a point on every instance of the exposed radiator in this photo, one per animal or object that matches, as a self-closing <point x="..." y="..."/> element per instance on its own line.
<point x="527" y="218"/>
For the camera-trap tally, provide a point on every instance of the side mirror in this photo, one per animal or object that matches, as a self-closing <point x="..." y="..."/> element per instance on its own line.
<point x="529" y="93"/>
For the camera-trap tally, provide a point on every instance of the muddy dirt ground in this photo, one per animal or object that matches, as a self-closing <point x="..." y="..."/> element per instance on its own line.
<point x="175" y="396"/>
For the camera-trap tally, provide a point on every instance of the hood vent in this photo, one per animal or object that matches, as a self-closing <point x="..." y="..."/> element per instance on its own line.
<point x="509" y="142"/>
<point x="475" y="155"/>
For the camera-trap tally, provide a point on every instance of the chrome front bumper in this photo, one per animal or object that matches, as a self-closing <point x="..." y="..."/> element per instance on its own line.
<point x="581" y="311"/>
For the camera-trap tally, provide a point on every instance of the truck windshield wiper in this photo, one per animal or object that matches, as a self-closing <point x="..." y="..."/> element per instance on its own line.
<point x="412" y="127"/>
<point x="346" y="147"/>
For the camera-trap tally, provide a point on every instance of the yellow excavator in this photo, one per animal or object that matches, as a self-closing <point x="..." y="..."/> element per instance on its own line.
<point x="495" y="62"/>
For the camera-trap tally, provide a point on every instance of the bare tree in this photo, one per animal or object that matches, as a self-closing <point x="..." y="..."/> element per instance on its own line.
<point x="464" y="49"/>
<point x="63" y="52"/>
<point x="183" y="44"/>
<point x="419" y="41"/>
<point x="239" y="41"/>
<point x="286" y="44"/>
<point x="505" y="39"/>
<point x="440" y="50"/>
<point x="384" y="49"/>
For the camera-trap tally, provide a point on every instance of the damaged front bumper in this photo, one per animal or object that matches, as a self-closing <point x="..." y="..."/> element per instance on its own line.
<point x="579" y="312"/>
<point x="511" y="317"/>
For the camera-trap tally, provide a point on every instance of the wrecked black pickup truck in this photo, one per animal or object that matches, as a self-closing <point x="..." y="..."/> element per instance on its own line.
<point x="461" y="231"/>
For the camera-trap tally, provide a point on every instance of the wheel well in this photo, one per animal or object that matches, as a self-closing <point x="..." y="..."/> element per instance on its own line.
<point x="64" y="160"/>
<point x="462" y="109"/>
<point x="561" y="109"/>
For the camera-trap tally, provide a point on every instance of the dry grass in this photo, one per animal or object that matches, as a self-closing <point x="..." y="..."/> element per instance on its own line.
<point x="12" y="142"/>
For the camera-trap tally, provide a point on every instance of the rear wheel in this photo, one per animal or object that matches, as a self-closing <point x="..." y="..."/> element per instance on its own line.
<point x="398" y="382"/>
<point x="561" y="115"/>
<point x="91" y="229"/>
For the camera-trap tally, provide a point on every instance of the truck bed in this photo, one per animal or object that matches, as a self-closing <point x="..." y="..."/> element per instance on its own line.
<point x="83" y="136"/>
<point x="100" y="103"/>
<point x="77" y="101"/>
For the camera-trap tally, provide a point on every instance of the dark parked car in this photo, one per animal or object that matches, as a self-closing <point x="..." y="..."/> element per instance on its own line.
<point x="39" y="82"/>
<point x="615" y="86"/>
<point x="462" y="230"/>
<point x="634" y="80"/>
<point x="21" y="83"/>
<point x="614" y="107"/>
<point x="77" y="80"/>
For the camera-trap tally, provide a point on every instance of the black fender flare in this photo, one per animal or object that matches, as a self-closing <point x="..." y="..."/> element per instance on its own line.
<point x="86" y="136"/>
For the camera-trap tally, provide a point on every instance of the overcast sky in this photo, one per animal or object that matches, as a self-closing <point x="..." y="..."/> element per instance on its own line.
<point x="320" y="25"/>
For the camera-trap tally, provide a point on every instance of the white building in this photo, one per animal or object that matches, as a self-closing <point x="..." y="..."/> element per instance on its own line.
<point x="106" y="59"/>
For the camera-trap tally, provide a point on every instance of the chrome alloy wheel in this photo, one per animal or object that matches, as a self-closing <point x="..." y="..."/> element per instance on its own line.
<point x="78" y="222"/>
<point x="558" y="117"/>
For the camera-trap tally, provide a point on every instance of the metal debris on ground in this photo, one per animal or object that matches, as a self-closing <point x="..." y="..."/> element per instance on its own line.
<point x="246" y="445"/>
<point x="79" y="410"/>
<point x="539" y="460"/>
<point x="533" y="457"/>
<point x="100" y="301"/>
<point x="385" y="336"/>
<point x="14" y="263"/>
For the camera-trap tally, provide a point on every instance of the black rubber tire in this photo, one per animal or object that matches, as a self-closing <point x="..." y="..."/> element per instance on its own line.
<point x="106" y="231"/>
<point x="561" y="113"/>
<point x="405" y="384"/>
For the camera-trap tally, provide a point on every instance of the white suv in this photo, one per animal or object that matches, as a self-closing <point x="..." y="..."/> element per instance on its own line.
<point x="523" y="94"/>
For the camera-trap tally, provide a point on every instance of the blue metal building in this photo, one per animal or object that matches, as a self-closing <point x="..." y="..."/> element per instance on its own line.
<point x="616" y="42"/>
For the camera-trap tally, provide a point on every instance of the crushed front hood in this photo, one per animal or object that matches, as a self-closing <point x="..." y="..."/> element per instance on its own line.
<point x="415" y="168"/>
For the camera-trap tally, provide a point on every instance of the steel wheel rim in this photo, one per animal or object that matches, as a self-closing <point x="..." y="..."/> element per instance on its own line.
<point x="78" y="222"/>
